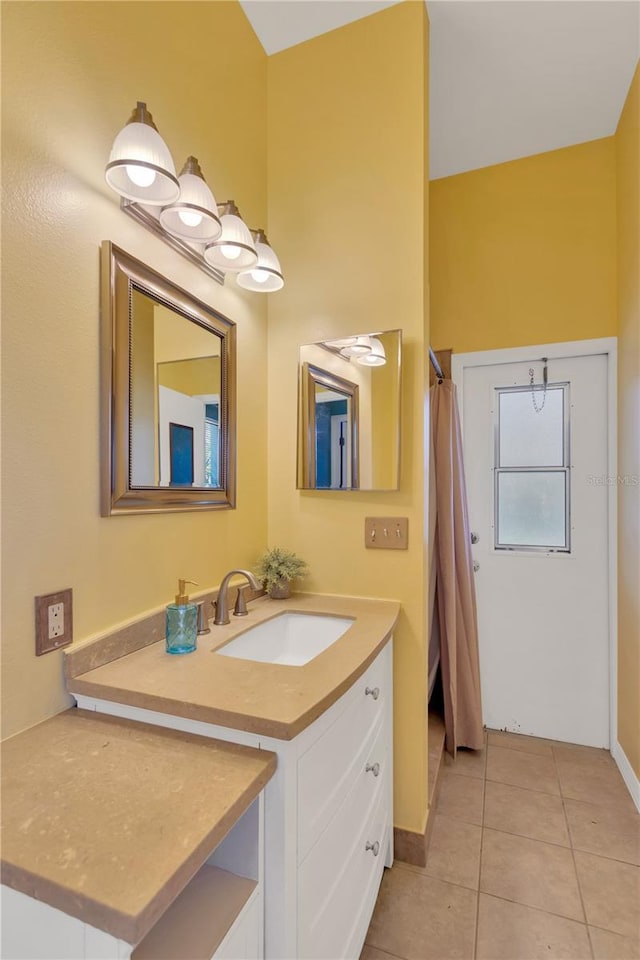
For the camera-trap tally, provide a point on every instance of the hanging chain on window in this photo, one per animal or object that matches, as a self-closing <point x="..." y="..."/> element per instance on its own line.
<point x="539" y="409"/>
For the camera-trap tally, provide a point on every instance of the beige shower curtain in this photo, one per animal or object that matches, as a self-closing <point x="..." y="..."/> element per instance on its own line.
<point x="452" y="590"/>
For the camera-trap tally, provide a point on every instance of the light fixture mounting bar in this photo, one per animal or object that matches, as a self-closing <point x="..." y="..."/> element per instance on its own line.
<point x="138" y="212"/>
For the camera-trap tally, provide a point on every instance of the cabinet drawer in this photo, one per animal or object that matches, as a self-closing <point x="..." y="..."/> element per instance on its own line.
<point x="328" y="770"/>
<point x="338" y="882"/>
<point x="370" y="774"/>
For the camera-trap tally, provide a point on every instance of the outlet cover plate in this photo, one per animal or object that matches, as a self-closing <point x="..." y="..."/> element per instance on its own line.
<point x="43" y="643"/>
<point x="386" y="533"/>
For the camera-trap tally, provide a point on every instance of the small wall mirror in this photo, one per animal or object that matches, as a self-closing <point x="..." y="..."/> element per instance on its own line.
<point x="349" y="413"/>
<point x="168" y="393"/>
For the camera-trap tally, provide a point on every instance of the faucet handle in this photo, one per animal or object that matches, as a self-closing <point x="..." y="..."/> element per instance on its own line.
<point x="203" y="620"/>
<point x="240" y="609"/>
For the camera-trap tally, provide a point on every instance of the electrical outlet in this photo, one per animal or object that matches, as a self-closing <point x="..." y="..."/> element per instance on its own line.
<point x="56" y="620"/>
<point x="54" y="623"/>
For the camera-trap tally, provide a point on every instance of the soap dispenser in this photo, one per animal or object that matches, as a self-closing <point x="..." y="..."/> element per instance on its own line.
<point x="182" y="631"/>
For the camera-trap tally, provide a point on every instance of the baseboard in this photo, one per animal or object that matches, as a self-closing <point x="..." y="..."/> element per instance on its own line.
<point x="411" y="847"/>
<point x="628" y="774"/>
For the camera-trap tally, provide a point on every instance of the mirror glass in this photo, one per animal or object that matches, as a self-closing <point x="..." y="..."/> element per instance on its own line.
<point x="175" y="398"/>
<point x="349" y="413"/>
<point x="168" y="400"/>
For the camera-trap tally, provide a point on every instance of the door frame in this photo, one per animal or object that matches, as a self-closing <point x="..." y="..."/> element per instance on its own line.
<point x="555" y="351"/>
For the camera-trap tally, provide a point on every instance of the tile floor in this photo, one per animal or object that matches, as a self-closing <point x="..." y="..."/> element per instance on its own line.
<point x="535" y="852"/>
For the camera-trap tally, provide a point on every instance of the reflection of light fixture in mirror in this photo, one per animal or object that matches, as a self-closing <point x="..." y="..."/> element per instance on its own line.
<point x="140" y="165"/>
<point x="376" y="357"/>
<point x="266" y="275"/>
<point x="339" y="344"/>
<point x="358" y="348"/>
<point x="234" y="249"/>
<point x="194" y="215"/>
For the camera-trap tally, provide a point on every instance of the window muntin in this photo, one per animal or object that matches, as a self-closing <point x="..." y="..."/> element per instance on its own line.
<point x="532" y="470"/>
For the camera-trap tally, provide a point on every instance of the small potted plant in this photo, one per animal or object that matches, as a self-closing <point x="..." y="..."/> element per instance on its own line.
<point x="277" y="568"/>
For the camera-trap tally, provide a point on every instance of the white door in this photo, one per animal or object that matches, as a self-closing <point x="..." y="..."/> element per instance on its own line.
<point x="536" y="469"/>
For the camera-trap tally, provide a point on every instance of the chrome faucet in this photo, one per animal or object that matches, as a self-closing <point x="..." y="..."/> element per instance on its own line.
<point x="222" y="608"/>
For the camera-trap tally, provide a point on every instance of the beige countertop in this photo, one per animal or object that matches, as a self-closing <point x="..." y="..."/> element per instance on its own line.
<point x="109" y="819"/>
<point x="270" y="699"/>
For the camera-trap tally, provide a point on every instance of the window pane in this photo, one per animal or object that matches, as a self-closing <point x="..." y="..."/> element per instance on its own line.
<point x="211" y="453"/>
<point x="531" y="509"/>
<point x="527" y="438"/>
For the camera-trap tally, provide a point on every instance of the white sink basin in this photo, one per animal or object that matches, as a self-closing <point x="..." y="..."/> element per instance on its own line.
<point x="289" y="638"/>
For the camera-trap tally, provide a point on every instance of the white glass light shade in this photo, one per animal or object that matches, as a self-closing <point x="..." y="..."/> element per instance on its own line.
<point x="376" y="357"/>
<point x="266" y="275"/>
<point x="234" y="250"/>
<point x="194" y="216"/>
<point x="140" y="166"/>
<point x="345" y="342"/>
<point x="357" y="349"/>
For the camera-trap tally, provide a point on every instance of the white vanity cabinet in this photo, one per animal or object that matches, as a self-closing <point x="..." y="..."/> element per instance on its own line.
<point x="218" y="916"/>
<point x="328" y="816"/>
<point x="127" y="841"/>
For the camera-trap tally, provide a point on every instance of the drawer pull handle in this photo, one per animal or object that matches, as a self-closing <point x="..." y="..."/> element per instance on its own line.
<point x="374" y="847"/>
<point x="372" y="692"/>
<point x="373" y="768"/>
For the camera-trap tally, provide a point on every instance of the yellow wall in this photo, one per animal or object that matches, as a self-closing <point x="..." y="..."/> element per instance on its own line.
<point x="627" y="142"/>
<point x="196" y="377"/>
<point x="71" y="75"/>
<point x="525" y="252"/>
<point x="347" y="165"/>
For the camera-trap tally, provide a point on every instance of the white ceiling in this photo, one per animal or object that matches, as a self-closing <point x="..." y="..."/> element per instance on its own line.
<point x="508" y="78"/>
<point x="284" y="23"/>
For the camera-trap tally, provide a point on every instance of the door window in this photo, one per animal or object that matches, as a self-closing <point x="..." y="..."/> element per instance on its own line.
<point x="531" y="473"/>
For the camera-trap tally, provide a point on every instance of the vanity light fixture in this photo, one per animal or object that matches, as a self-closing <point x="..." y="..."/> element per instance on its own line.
<point x="234" y="250"/>
<point x="194" y="215"/>
<point x="211" y="235"/>
<point x="140" y="166"/>
<point x="266" y="275"/>
<point x="357" y="349"/>
<point x="376" y="356"/>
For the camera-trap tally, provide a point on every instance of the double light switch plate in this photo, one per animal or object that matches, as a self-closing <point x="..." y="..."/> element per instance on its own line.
<point x="386" y="533"/>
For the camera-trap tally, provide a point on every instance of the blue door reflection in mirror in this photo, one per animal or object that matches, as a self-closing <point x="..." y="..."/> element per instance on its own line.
<point x="332" y="470"/>
<point x="181" y="455"/>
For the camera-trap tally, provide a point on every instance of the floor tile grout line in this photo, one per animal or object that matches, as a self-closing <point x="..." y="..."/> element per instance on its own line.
<point x="448" y="816"/>
<point x="526" y="836"/>
<point x="484" y="797"/>
<point x="421" y="872"/>
<point x="573" y="856"/>
<point x="549" y="913"/>
<point x="520" y="787"/>
<point x="551" y="843"/>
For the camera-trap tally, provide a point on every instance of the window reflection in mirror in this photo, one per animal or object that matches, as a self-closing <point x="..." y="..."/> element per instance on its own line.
<point x="175" y="399"/>
<point x="349" y="413"/>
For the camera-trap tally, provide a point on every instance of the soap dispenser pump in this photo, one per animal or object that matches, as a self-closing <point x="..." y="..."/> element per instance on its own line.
<point x="182" y="616"/>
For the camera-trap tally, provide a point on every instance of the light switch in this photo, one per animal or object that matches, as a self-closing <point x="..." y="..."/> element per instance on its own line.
<point x="386" y="533"/>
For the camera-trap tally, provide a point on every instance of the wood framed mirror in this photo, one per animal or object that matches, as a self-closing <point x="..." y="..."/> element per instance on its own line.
<point x="330" y="412"/>
<point x="168" y="394"/>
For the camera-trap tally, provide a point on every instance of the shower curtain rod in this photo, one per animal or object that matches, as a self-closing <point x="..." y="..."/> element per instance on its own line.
<point x="434" y="363"/>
